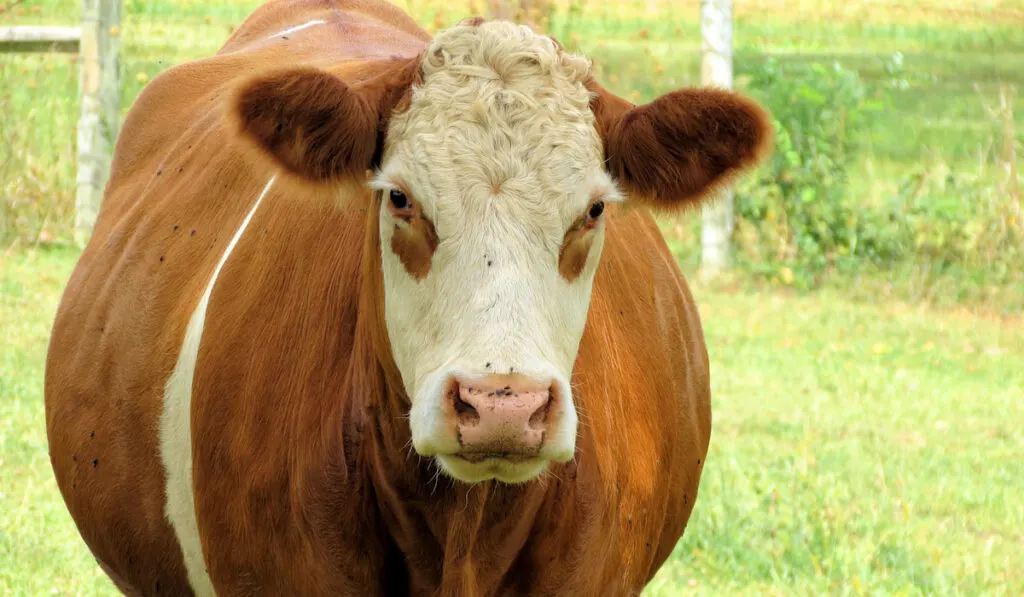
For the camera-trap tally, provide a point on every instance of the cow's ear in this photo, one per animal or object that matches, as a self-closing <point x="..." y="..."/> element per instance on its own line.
<point x="683" y="146"/>
<point x="317" y="126"/>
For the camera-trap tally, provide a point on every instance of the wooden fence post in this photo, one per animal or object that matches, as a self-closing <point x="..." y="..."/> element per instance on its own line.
<point x="99" y="98"/>
<point x="716" y="70"/>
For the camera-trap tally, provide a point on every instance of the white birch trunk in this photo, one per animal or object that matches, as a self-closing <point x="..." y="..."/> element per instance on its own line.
<point x="716" y="70"/>
<point x="99" y="99"/>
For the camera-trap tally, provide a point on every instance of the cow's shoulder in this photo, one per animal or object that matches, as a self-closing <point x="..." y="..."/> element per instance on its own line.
<point x="642" y="385"/>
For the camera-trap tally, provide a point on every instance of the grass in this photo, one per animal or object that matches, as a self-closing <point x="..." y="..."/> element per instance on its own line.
<point x="41" y="552"/>
<point x="857" y="449"/>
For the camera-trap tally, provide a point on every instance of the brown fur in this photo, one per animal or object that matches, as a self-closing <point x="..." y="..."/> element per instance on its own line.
<point x="311" y="122"/>
<point x="415" y="242"/>
<point x="683" y="146"/>
<point x="318" y="127"/>
<point x="572" y="257"/>
<point x="304" y="479"/>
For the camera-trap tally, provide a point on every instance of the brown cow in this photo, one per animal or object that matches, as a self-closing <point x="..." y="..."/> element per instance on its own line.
<point x="342" y="329"/>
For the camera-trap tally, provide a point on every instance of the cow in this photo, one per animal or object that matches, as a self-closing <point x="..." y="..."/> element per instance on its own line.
<point x="372" y="312"/>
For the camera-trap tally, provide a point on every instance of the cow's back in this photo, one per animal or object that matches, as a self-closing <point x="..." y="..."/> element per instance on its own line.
<point x="181" y="184"/>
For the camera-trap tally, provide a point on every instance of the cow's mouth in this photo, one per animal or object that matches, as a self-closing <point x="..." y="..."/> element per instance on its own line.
<point x="476" y="467"/>
<point x="478" y="457"/>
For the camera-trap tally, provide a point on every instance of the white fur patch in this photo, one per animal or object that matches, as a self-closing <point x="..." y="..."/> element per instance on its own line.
<point x="499" y="147"/>
<point x="176" y="429"/>
<point x="290" y="30"/>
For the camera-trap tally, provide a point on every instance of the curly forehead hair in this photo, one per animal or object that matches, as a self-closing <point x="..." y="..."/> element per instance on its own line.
<point x="495" y="103"/>
<point x="503" y="51"/>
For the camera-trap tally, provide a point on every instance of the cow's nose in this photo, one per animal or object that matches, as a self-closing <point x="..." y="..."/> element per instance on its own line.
<point x="501" y="416"/>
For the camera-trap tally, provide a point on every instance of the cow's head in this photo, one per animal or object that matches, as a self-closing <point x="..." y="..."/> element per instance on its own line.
<point x="495" y="156"/>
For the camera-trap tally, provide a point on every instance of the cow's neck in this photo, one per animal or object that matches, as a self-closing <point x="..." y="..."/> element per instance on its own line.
<point x="429" y="516"/>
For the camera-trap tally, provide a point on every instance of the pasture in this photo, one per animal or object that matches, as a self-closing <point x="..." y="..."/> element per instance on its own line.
<point x="867" y="436"/>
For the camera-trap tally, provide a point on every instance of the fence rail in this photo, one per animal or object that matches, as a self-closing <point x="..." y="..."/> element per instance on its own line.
<point x="40" y="39"/>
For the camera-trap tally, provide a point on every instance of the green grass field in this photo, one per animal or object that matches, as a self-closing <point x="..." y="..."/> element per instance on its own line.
<point x="861" y="445"/>
<point x="856" y="449"/>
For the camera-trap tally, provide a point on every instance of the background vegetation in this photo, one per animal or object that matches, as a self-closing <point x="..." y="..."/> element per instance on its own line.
<point x="896" y="164"/>
<point x="866" y="353"/>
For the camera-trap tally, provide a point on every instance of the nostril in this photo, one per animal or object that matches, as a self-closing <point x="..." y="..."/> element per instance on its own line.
<point x="539" y="418"/>
<point x="465" y="411"/>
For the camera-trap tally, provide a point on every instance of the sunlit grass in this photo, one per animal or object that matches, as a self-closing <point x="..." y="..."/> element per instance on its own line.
<point x="860" y="449"/>
<point x="41" y="552"/>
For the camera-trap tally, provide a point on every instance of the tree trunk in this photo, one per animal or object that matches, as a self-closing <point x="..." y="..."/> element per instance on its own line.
<point x="716" y="70"/>
<point x="99" y="96"/>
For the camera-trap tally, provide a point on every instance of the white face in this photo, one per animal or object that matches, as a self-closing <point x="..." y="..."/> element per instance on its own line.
<point x="498" y="163"/>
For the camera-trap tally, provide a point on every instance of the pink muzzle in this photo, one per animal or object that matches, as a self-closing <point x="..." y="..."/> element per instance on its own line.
<point x="501" y="417"/>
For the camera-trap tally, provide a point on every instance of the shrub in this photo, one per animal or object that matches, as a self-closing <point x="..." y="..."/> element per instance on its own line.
<point x="798" y="217"/>
<point x="951" y="218"/>
<point x="797" y="212"/>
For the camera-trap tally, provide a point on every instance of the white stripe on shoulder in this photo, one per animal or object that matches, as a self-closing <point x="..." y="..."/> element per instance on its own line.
<point x="176" y="430"/>
<point x="298" y="28"/>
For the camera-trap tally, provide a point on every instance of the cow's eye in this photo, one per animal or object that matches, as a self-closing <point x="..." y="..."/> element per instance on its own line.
<point x="596" y="210"/>
<point x="398" y="199"/>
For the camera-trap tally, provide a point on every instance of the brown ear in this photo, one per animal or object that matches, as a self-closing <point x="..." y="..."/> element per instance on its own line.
<point x="682" y="146"/>
<point x="317" y="126"/>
